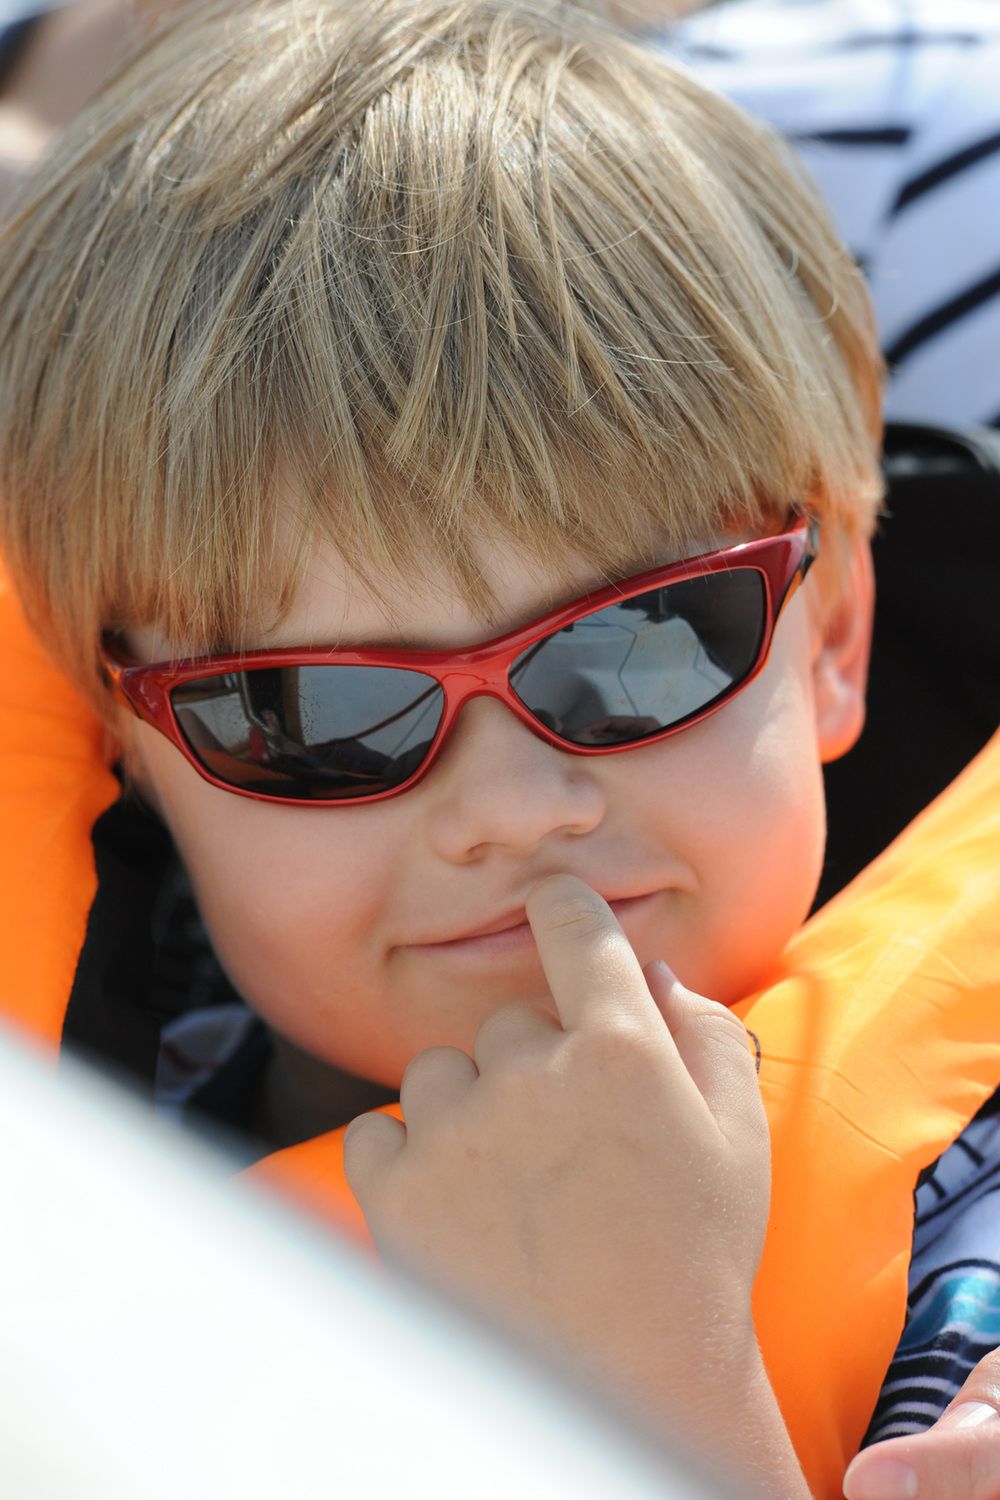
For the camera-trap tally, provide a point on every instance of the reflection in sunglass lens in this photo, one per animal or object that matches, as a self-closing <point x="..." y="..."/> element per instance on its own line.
<point x="322" y="732"/>
<point x="638" y="667"/>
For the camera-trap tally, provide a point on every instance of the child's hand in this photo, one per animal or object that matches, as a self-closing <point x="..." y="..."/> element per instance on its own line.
<point x="601" y="1178"/>
<point x="956" y="1459"/>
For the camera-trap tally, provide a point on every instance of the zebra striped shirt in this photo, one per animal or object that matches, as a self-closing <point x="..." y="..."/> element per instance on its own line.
<point x="953" y="1309"/>
<point x="894" y="105"/>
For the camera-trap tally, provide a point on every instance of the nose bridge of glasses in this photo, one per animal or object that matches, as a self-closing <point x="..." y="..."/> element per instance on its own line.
<point x="485" y="678"/>
<point x="473" y="687"/>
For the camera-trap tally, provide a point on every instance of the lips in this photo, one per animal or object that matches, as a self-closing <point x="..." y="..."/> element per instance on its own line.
<point x="515" y="923"/>
<point x="516" y="918"/>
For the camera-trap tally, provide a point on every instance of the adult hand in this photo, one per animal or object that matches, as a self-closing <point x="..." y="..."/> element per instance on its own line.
<point x="956" y="1459"/>
<point x="598" y="1177"/>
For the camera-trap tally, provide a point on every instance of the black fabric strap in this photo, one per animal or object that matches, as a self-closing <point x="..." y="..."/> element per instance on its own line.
<point x="108" y="1017"/>
<point x="145" y="960"/>
<point x="934" y="685"/>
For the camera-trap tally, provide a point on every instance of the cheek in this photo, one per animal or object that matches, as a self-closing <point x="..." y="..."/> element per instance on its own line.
<point x="295" y="901"/>
<point x="740" y="799"/>
<point x="295" y="914"/>
<point x="768" y="857"/>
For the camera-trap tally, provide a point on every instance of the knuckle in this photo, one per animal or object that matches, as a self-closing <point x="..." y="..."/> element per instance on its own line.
<point x="365" y="1144"/>
<point x="984" y="1383"/>
<point x="505" y="1021"/>
<point x="717" y="1023"/>
<point x="361" y="1128"/>
<point x="620" y="1043"/>
<point x="430" y="1063"/>
<point x="353" y="1135"/>
<point x="516" y="1051"/>
<point x="727" y="1023"/>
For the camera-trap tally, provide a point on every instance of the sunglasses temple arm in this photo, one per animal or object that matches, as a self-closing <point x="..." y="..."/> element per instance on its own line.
<point x="809" y="555"/>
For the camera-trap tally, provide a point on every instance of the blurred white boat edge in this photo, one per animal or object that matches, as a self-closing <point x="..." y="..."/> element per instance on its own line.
<point x="165" y="1332"/>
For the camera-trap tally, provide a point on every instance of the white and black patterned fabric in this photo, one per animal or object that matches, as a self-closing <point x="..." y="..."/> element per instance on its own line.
<point x="894" y="106"/>
<point x="953" y="1309"/>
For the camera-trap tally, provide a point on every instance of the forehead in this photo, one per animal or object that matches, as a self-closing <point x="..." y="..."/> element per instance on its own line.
<point x="334" y="606"/>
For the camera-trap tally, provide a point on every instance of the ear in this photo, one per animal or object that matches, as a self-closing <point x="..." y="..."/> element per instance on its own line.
<point x="843" y="635"/>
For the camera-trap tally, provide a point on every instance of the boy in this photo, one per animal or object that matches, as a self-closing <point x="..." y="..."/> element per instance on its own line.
<point x="339" y="333"/>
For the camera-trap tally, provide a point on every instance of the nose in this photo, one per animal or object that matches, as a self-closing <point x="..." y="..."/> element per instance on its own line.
<point x="499" y="788"/>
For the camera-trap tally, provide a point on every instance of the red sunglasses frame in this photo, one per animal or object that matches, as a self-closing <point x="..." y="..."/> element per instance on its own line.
<point x="782" y="560"/>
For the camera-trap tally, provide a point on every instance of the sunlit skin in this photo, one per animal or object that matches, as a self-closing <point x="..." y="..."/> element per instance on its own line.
<point x="343" y="927"/>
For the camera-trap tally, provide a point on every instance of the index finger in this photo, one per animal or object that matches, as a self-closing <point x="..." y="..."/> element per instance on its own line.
<point x="588" y="961"/>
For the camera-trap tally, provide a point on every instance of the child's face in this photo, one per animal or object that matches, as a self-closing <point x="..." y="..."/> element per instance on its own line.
<point x="339" y="925"/>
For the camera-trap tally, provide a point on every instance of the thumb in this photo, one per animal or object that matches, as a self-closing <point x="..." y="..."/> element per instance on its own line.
<point x="957" y="1459"/>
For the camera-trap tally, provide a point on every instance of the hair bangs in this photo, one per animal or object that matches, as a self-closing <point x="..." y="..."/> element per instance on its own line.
<point x="404" y="277"/>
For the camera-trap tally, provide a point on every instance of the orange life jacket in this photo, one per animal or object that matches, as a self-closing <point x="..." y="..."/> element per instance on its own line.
<point x="880" y="1037"/>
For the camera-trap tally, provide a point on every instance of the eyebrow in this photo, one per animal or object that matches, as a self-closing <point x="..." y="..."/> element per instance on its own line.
<point x="408" y="642"/>
<point x="359" y="643"/>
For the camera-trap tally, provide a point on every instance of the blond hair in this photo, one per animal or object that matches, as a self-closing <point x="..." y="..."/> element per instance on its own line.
<point x="402" y="275"/>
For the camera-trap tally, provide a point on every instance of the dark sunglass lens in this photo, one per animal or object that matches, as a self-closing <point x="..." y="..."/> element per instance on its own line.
<point x="313" y="732"/>
<point x="648" y="663"/>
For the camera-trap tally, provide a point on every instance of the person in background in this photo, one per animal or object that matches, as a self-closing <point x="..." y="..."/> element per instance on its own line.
<point x="893" y="106"/>
<point x="52" y="61"/>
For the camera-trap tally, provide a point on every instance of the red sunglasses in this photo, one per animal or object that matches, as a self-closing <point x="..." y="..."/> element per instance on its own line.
<point x="623" y="666"/>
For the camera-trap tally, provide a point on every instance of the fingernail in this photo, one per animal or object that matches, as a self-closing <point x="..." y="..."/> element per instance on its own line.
<point x="880" y="1479"/>
<point x="968" y="1414"/>
<point x="659" y="970"/>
